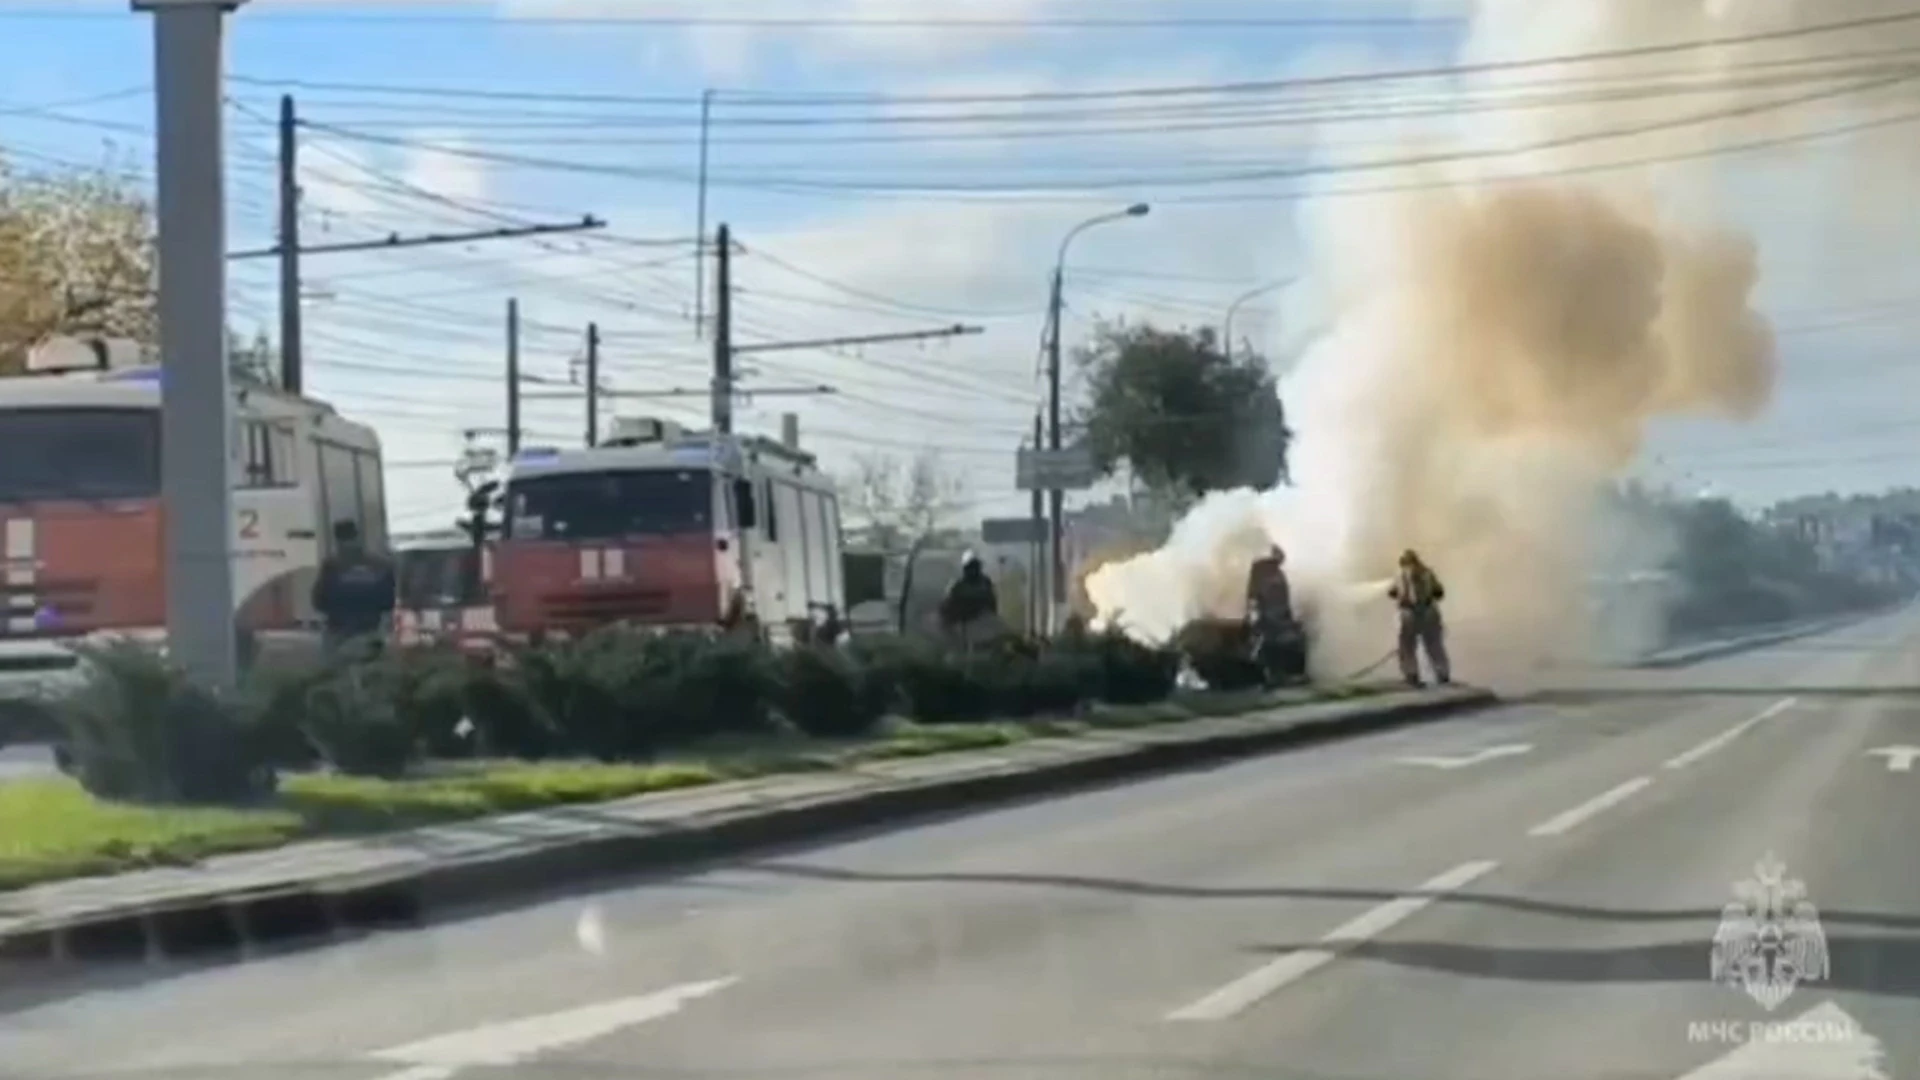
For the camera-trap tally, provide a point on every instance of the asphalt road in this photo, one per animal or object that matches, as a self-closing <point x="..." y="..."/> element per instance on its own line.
<point x="1528" y="892"/>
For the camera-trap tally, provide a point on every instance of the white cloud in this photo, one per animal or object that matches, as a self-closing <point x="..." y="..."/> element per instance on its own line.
<point x="435" y="164"/>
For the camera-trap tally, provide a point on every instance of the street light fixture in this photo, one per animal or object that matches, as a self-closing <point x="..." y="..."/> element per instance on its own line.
<point x="1226" y="330"/>
<point x="1056" y="562"/>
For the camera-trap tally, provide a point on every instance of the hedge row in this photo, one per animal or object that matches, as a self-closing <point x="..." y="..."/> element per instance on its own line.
<point x="139" y="730"/>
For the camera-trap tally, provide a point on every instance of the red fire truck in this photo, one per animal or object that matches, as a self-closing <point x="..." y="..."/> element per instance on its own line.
<point x="81" y="538"/>
<point x="667" y="528"/>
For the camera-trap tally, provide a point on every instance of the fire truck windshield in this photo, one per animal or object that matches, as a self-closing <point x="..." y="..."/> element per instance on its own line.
<point x="607" y="505"/>
<point x="79" y="453"/>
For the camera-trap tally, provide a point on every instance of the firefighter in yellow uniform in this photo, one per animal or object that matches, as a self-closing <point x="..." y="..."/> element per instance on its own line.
<point x="1418" y="591"/>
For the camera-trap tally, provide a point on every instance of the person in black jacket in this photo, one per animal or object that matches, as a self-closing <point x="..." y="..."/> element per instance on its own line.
<point x="354" y="592"/>
<point x="969" y="600"/>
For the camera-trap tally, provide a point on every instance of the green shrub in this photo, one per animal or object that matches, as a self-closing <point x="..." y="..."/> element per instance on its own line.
<point x="1220" y="653"/>
<point x="574" y="689"/>
<point x="698" y="685"/>
<point x="1125" y="672"/>
<point x="140" y="729"/>
<point x="941" y="689"/>
<point x="823" y="693"/>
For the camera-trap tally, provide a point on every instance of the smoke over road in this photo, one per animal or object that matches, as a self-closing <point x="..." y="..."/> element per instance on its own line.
<point x="1505" y="327"/>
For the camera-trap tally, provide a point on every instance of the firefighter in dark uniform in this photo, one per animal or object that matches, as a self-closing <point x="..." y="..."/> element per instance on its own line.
<point x="1418" y="591"/>
<point x="1278" y="641"/>
<point x="355" y="590"/>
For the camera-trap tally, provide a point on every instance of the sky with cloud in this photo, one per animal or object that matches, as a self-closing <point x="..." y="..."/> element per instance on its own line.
<point x="885" y="166"/>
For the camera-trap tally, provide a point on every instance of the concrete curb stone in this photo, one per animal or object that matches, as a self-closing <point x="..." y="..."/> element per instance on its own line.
<point x="587" y="842"/>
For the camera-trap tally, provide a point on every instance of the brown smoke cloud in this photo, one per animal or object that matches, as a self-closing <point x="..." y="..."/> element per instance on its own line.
<point x="1500" y="345"/>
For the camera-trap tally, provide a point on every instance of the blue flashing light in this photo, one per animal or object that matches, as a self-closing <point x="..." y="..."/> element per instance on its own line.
<point x="139" y="375"/>
<point x="538" y="453"/>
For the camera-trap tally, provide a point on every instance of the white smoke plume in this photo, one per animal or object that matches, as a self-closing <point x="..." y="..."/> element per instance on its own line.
<point x="1507" y="325"/>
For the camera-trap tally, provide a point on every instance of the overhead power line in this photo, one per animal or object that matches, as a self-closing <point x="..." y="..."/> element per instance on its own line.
<point x="1218" y="178"/>
<point x="1265" y="85"/>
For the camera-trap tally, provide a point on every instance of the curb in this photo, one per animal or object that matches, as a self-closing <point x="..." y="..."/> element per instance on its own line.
<point x="243" y="920"/>
<point x="1701" y="652"/>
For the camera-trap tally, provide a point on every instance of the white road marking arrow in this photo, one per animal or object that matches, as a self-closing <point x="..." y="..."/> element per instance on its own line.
<point x="1823" y="1044"/>
<point x="1899" y="758"/>
<point x="513" y="1041"/>
<point x="1475" y="758"/>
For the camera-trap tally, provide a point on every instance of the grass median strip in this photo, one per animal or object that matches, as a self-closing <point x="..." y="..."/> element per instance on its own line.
<point x="51" y="830"/>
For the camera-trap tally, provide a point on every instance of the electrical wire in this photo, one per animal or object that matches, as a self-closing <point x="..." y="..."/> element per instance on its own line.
<point x="1450" y="71"/>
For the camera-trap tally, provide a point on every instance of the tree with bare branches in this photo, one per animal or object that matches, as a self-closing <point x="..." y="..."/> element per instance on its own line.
<point x="898" y="502"/>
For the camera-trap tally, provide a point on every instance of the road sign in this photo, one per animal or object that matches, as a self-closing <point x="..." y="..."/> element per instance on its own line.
<point x="1475" y="758"/>
<point x="1020" y="530"/>
<point x="1899" y="758"/>
<point x="1069" y="468"/>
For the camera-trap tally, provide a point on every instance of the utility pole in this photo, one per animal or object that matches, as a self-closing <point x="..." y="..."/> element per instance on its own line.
<point x="513" y="377"/>
<point x="292" y="370"/>
<point x="1056" y="525"/>
<point x="700" y="221"/>
<point x="197" y="409"/>
<point x="725" y="383"/>
<point x="593" y="385"/>
<point x="723" y="333"/>
<point x="1037" y="592"/>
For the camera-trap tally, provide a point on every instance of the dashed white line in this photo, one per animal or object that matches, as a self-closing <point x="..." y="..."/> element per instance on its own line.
<point x="514" y="1041"/>
<point x="1681" y="761"/>
<point x="1560" y="823"/>
<point x="1244" y="992"/>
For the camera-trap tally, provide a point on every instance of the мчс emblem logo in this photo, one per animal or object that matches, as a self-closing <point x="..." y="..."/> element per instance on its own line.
<point x="1770" y="940"/>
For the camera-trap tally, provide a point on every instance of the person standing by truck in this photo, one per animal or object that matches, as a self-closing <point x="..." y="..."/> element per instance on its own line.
<point x="355" y="591"/>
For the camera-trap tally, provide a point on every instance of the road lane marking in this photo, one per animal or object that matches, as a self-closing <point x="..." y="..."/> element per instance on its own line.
<point x="1464" y="760"/>
<point x="1249" y="989"/>
<point x="1899" y="758"/>
<point x="1681" y="761"/>
<point x="1560" y="823"/>
<point x="513" y="1041"/>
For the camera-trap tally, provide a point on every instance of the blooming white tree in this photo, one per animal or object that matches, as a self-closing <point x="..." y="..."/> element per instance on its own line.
<point x="76" y="257"/>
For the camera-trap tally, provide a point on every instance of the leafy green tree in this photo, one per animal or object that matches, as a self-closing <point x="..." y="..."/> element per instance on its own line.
<point x="1185" y="417"/>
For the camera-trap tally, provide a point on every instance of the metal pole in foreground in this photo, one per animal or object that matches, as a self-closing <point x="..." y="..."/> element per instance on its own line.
<point x="292" y="369"/>
<point x="513" y="376"/>
<point x="195" y="406"/>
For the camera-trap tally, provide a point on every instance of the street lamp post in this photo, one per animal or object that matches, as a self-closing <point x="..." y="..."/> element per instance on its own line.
<point x="1056" y="561"/>
<point x="195" y="406"/>
<point x="1226" y="330"/>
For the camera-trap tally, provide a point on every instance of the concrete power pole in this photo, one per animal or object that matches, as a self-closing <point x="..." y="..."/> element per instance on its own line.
<point x="723" y="332"/>
<point x="593" y="384"/>
<point x="1037" y="590"/>
<point x="513" y="377"/>
<point x="292" y="367"/>
<point x="196" y="464"/>
<point x="1056" y="498"/>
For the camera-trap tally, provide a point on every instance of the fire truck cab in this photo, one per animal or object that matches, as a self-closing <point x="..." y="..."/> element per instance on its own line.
<point x="82" y="548"/>
<point x="668" y="528"/>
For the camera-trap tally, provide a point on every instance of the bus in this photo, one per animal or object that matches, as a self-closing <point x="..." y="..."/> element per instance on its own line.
<point x="662" y="527"/>
<point x="442" y="583"/>
<point x="82" y="547"/>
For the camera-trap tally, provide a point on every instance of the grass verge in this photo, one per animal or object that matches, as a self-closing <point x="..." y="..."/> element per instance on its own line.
<point x="51" y="830"/>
